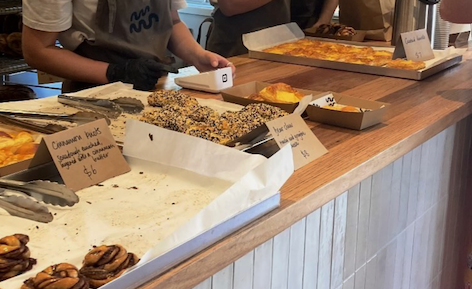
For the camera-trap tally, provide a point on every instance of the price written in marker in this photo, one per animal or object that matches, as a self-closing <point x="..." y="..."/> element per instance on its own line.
<point x="84" y="156"/>
<point x="90" y="171"/>
<point x="416" y="45"/>
<point x="293" y="130"/>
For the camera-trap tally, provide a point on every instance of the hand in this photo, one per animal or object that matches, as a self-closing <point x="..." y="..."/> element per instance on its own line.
<point x="206" y="61"/>
<point x="142" y="73"/>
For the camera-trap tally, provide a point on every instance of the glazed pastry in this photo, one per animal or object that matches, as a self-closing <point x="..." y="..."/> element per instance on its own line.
<point x="346" y="31"/>
<point x="106" y="263"/>
<point x="14" y="43"/>
<point x="14" y="256"/>
<point x="4" y="44"/>
<point x="341" y="107"/>
<point x="279" y="93"/>
<point x="59" y="276"/>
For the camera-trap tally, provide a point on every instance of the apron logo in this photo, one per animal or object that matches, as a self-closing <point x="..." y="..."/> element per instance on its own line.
<point x="136" y="16"/>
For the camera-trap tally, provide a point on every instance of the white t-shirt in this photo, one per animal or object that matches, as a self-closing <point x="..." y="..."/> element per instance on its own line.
<point x="72" y="18"/>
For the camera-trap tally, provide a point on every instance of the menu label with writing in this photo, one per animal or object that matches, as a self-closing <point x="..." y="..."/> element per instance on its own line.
<point x="84" y="156"/>
<point x="293" y="130"/>
<point x="414" y="45"/>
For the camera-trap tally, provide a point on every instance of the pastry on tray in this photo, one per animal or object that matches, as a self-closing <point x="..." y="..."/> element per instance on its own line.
<point x="325" y="50"/>
<point x="341" y="107"/>
<point x="14" y="256"/>
<point x="15" y="147"/>
<point x="179" y="112"/>
<point x="336" y="29"/>
<point x="59" y="276"/>
<point x="106" y="263"/>
<point x="279" y="93"/>
<point x="406" y="64"/>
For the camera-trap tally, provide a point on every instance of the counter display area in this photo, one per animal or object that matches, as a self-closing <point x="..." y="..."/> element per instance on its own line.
<point x="385" y="208"/>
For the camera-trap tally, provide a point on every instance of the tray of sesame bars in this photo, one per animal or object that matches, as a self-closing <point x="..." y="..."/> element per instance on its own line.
<point x="287" y="43"/>
<point x="183" y="193"/>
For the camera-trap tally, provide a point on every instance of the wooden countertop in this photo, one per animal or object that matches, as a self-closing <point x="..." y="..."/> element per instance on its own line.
<point x="418" y="111"/>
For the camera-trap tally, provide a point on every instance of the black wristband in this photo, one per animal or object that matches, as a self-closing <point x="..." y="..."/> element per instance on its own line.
<point x="116" y="72"/>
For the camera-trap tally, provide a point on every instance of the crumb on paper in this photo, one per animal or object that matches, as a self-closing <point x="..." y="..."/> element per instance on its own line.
<point x="173" y="203"/>
<point x="151" y="137"/>
<point x="133" y="187"/>
<point x="141" y="173"/>
<point x="99" y="185"/>
<point x="37" y="227"/>
<point x="115" y="186"/>
<point x="88" y="202"/>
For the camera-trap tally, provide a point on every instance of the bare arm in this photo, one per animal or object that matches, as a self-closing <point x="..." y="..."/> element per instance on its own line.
<point x="235" y="7"/>
<point x="456" y="11"/>
<point x="327" y="13"/>
<point x="40" y="52"/>
<point x="183" y="45"/>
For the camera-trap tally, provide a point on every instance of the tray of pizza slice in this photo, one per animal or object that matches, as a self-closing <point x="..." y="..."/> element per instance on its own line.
<point x="287" y="43"/>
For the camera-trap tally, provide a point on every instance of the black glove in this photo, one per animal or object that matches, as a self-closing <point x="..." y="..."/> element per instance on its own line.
<point x="142" y="73"/>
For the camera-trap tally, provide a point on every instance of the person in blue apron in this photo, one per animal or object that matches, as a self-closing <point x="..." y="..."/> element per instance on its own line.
<point x="232" y="19"/>
<point x="109" y="40"/>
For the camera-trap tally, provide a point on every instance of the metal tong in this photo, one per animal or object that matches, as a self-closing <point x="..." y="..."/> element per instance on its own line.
<point x="112" y="108"/>
<point x="80" y="117"/>
<point x="42" y="191"/>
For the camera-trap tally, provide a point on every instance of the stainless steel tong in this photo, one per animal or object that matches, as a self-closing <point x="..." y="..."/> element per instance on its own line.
<point x="80" y="117"/>
<point x="112" y="108"/>
<point x="41" y="191"/>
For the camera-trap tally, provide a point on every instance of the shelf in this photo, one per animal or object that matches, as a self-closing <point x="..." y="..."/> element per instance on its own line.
<point x="10" y="65"/>
<point x="10" y="6"/>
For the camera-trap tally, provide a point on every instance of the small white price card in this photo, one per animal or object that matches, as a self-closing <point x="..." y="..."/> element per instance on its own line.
<point x="417" y="45"/>
<point x="293" y="130"/>
<point x="84" y="156"/>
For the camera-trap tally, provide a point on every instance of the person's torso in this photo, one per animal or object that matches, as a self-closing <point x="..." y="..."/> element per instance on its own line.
<point x="305" y="12"/>
<point x="226" y="35"/>
<point x="82" y="24"/>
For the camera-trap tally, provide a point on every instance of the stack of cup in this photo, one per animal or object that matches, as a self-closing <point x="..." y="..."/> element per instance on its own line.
<point x="441" y="35"/>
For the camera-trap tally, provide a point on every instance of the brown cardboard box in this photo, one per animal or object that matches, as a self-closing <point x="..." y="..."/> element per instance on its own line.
<point x="358" y="37"/>
<point x="14" y="168"/>
<point x="352" y="120"/>
<point x="239" y="94"/>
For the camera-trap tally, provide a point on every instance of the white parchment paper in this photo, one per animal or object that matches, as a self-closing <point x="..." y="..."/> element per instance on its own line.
<point x="179" y="187"/>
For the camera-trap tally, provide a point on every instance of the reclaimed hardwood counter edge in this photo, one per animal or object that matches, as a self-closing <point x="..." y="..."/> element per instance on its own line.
<point x="209" y="261"/>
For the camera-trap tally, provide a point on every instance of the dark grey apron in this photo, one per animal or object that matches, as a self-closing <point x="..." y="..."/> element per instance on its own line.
<point x="226" y="35"/>
<point x="127" y="30"/>
<point x="306" y="12"/>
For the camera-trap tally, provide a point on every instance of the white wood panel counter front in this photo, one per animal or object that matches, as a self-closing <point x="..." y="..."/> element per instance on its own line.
<point x="385" y="208"/>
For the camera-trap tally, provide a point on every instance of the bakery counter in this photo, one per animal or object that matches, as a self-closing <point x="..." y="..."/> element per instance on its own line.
<point x="374" y="212"/>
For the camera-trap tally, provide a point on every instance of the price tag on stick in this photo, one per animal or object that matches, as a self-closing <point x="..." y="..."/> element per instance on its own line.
<point x="84" y="156"/>
<point x="414" y="45"/>
<point x="293" y="130"/>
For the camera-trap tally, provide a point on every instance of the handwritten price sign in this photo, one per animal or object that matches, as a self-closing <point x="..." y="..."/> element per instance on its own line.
<point x="293" y="130"/>
<point x="417" y="45"/>
<point x="84" y="156"/>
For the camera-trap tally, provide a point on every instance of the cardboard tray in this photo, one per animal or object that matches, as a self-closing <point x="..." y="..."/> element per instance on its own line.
<point x="259" y="40"/>
<point x="239" y="94"/>
<point x="359" y="36"/>
<point x="352" y="120"/>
